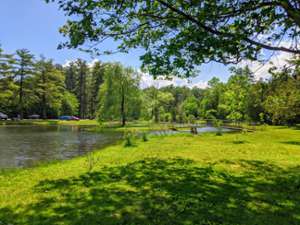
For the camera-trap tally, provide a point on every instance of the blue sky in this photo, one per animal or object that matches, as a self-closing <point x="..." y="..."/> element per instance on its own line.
<point x="33" y="24"/>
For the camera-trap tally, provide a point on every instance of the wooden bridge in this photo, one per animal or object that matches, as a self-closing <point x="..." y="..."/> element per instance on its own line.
<point x="234" y="125"/>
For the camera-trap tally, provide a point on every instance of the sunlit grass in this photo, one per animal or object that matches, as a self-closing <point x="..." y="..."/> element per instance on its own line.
<point x="240" y="178"/>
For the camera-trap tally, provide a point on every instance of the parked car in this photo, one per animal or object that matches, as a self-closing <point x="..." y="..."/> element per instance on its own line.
<point x="68" y="118"/>
<point x="34" y="117"/>
<point x="75" y="118"/>
<point x="3" y="116"/>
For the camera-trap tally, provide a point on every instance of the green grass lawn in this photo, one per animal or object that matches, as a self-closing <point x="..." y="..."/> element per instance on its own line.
<point x="251" y="178"/>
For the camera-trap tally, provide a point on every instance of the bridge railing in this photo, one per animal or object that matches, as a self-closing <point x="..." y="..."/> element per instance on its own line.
<point x="211" y="122"/>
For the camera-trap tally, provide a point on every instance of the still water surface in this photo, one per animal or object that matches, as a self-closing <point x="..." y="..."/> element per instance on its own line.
<point x="23" y="146"/>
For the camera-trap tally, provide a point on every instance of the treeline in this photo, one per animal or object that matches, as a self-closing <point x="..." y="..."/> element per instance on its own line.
<point x="39" y="86"/>
<point x="275" y="100"/>
<point x="242" y="98"/>
<point x="111" y="92"/>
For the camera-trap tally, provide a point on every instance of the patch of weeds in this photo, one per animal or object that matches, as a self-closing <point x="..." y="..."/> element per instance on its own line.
<point x="145" y="137"/>
<point x="129" y="139"/>
<point x="91" y="161"/>
<point x="238" y="140"/>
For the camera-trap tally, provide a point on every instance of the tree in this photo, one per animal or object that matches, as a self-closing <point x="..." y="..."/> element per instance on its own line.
<point x="81" y="90"/>
<point x="175" y="107"/>
<point x="24" y="68"/>
<point x="78" y="82"/>
<point x="118" y="93"/>
<point x="97" y="79"/>
<point x="49" y="87"/>
<point x="71" y="77"/>
<point x="283" y="100"/>
<point x="236" y="96"/>
<point x="178" y="35"/>
<point x="8" y="88"/>
<point x="69" y="105"/>
<point x="210" y="103"/>
<point x="191" y="107"/>
<point x="158" y="101"/>
<point x="256" y="98"/>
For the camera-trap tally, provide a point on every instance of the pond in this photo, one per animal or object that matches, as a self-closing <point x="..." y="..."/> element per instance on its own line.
<point x="26" y="145"/>
<point x="205" y="129"/>
<point x="23" y="146"/>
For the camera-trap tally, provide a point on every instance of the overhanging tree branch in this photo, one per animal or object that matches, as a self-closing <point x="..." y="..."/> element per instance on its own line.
<point x="229" y="35"/>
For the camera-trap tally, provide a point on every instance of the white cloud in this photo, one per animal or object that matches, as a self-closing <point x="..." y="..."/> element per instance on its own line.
<point x="89" y="64"/>
<point x="92" y="63"/>
<point x="67" y="63"/>
<point x="201" y="84"/>
<point x="148" y="81"/>
<point x="261" y="70"/>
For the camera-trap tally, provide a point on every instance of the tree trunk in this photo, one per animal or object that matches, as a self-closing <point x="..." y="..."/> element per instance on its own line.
<point x="174" y="116"/>
<point x="44" y="108"/>
<point x="44" y="101"/>
<point x="156" y="114"/>
<point x="21" y="113"/>
<point x="82" y="95"/>
<point x="123" y="114"/>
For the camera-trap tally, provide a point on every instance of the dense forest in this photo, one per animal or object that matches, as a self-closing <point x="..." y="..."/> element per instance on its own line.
<point x="110" y="91"/>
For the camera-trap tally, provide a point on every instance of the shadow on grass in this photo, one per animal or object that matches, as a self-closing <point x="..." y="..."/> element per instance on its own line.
<point x="291" y="142"/>
<point x="167" y="192"/>
<point x="239" y="142"/>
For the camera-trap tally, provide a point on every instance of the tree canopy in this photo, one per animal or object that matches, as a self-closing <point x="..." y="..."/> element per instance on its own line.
<point x="179" y="35"/>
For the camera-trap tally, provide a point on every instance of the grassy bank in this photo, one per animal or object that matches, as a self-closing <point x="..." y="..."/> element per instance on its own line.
<point x="131" y="126"/>
<point x="48" y="122"/>
<point x="249" y="178"/>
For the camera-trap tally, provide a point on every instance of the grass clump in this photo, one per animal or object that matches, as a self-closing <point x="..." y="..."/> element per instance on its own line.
<point x="91" y="161"/>
<point x="145" y="137"/>
<point x="129" y="137"/>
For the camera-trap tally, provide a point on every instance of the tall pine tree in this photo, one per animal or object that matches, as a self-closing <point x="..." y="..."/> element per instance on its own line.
<point x="24" y="68"/>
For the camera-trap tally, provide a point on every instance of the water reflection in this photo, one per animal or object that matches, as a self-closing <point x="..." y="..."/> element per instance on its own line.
<point x="22" y="146"/>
